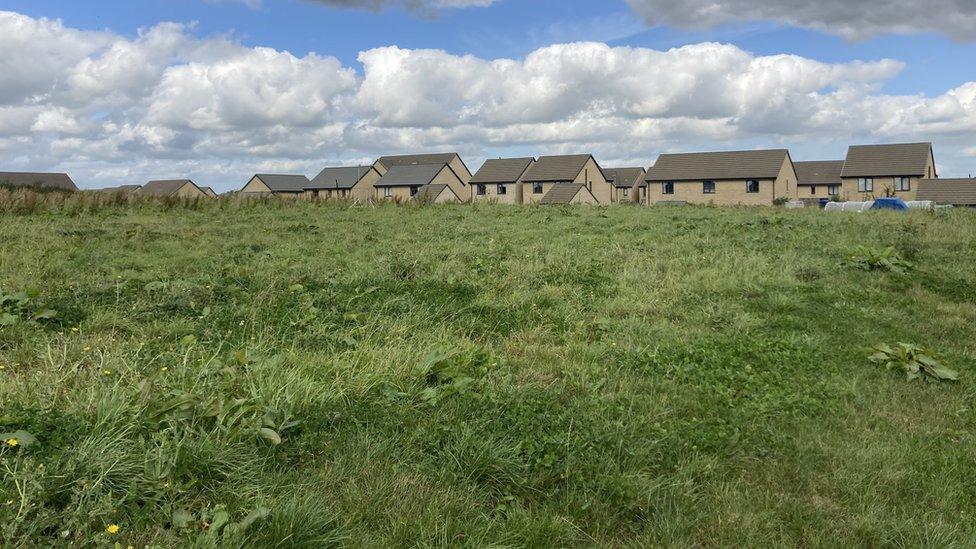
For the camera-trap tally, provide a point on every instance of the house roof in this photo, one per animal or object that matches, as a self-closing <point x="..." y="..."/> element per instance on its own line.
<point x="281" y="183"/>
<point x="820" y="172"/>
<point x="38" y="180"/>
<point x="121" y="189"/>
<point x="339" y="178"/>
<point x="414" y="175"/>
<point x="761" y="164"/>
<point x="625" y="177"/>
<point x="563" y="193"/>
<point x="501" y="170"/>
<point x="557" y="168"/>
<point x="428" y="193"/>
<point x="166" y="187"/>
<point x="958" y="192"/>
<point x="209" y="192"/>
<point x="413" y="159"/>
<point x="899" y="159"/>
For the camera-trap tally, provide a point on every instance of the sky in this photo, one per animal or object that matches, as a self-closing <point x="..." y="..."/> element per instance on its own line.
<point x="120" y="92"/>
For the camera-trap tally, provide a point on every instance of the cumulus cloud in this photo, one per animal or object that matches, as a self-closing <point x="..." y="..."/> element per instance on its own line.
<point x="853" y="20"/>
<point x="111" y="109"/>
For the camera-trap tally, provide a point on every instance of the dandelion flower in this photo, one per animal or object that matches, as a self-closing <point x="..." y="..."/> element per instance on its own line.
<point x="87" y="349"/>
<point x="164" y="369"/>
<point x="107" y="372"/>
<point x="74" y="328"/>
<point x="12" y="442"/>
<point x="112" y="528"/>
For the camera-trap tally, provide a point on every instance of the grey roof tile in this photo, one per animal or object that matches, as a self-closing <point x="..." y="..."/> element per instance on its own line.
<point x="501" y="170"/>
<point x="562" y="193"/>
<point x="899" y="159"/>
<point x="164" y="187"/>
<point x="413" y="175"/>
<point x="625" y="177"/>
<point x="38" y="180"/>
<point x="284" y="183"/>
<point x="819" y="172"/>
<point x="339" y="178"/>
<point x="958" y="192"/>
<point x="760" y="164"/>
<point x="557" y="168"/>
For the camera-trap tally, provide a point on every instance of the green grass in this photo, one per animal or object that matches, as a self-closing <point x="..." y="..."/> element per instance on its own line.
<point x="484" y="376"/>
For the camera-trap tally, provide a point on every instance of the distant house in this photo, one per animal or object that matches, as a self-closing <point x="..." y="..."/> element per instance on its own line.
<point x="404" y="182"/>
<point x="500" y="180"/>
<point x="352" y="183"/>
<point x="171" y="188"/>
<point x="560" y="175"/>
<point x="873" y="171"/>
<point x="818" y="179"/>
<point x="628" y="184"/>
<point x="453" y="160"/>
<point x="38" y="181"/>
<point x="750" y="178"/>
<point x="264" y="184"/>
<point x="209" y="192"/>
<point x="436" y="194"/>
<point x="955" y="192"/>
<point x="121" y="189"/>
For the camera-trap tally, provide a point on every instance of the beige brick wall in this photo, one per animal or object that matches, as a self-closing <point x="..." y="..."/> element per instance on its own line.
<point x="491" y="193"/>
<point x="528" y="197"/>
<point x="727" y="193"/>
<point x="592" y="176"/>
<point x="883" y="186"/>
<point x="255" y="186"/>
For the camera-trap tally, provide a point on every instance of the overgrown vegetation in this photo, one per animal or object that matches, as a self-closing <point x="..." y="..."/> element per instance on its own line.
<point x="255" y="373"/>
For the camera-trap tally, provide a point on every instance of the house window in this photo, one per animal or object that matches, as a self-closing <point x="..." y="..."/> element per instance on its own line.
<point x="865" y="185"/>
<point x="482" y="190"/>
<point x="833" y="190"/>
<point x="667" y="187"/>
<point x="626" y="192"/>
<point x="502" y="189"/>
<point x="813" y="190"/>
<point x="537" y="188"/>
<point x="708" y="187"/>
<point x="903" y="184"/>
<point x="387" y="192"/>
<point x="413" y="191"/>
<point x="752" y="186"/>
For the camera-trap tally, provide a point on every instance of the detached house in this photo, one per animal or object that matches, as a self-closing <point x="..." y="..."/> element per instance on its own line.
<point x="209" y="192"/>
<point x="571" y="179"/>
<point x="818" y="179"/>
<point x="404" y="182"/>
<point x="291" y="186"/>
<point x="38" y="181"/>
<point x="954" y="192"/>
<point x="751" y="178"/>
<point x="628" y="184"/>
<point x="176" y="188"/>
<point x="500" y="180"/>
<point x="452" y="160"/>
<point x="873" y="171"/>
<point x="350" y="183"/>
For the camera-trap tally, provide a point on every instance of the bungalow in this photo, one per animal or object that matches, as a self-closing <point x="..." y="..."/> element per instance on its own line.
<point x="729" y="178"/>
<point x="818" y="179"/>
<point x="350" y="183"/>
<point x="291" y="186"/>
<point x="436" y="194"/>
<point x="38" y="181"/>
<point x="179" y="188"/>
<point x="873" y="171"/>
<point x="628" y="184"/>
<point x="955" y="192"/>
<point x="563" y="176"/>
<point x="121" y="189"/>
<point x="402" y="183"/>
<point x="500" y="180"/>
<point x="209" y="192"/>
<point x="452" y="160"/>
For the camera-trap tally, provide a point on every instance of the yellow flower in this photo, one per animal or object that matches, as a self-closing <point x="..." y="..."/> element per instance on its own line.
<point x="12" y="442"/>
<point x="74" y="328"/>
<point x="107" y="372"/>
<point x="112" y="528"/>
<point x="164" y="369"/>
<point x="86" y="349"/>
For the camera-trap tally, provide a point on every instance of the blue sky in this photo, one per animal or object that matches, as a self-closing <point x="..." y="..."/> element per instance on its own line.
<point x="934" y="62"/>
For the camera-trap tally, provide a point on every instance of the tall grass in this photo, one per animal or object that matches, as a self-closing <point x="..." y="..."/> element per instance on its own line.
<point x="479" y="375"/>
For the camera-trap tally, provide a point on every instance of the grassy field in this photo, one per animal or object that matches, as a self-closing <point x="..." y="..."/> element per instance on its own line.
<point x="261" y="374"/>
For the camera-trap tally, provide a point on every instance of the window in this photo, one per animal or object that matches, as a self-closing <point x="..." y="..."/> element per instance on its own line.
<point x="903" y="184"/>
<point x="865" y="185"/>
<point x="502" y="189"/>
<point x="667" y="187"/>
<point x="813" y="190"/>
<point x="626" y="192"/>
<point x="413" y="191"/>
<point x="708" y="187"/>
<point x="833" y="190"/>
<point x="752" y="186"/>
<point x="537" y="188"/>
<point x="482" y="190"/>
<point x="387" y="192"/>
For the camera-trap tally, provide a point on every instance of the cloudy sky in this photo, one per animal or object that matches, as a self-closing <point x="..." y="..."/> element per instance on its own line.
<point x="116" y="91"/>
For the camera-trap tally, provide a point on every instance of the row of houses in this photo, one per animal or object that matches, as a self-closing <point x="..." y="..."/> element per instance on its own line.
<point x="754" y="177"/>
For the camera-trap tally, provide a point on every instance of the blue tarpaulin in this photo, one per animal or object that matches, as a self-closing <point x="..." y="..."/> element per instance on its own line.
<point x="890" y="204"/>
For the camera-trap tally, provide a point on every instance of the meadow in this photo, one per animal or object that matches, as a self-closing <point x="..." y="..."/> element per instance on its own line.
<point x="263" y="374"/>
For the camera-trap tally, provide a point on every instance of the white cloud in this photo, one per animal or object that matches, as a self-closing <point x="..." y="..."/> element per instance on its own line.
<point x="853" y="20"/>
<point x="111" y="109"/>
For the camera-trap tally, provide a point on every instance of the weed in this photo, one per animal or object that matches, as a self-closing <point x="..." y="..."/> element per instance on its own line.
<point x="916" y="362"/>
<point x="887" y="259"/>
